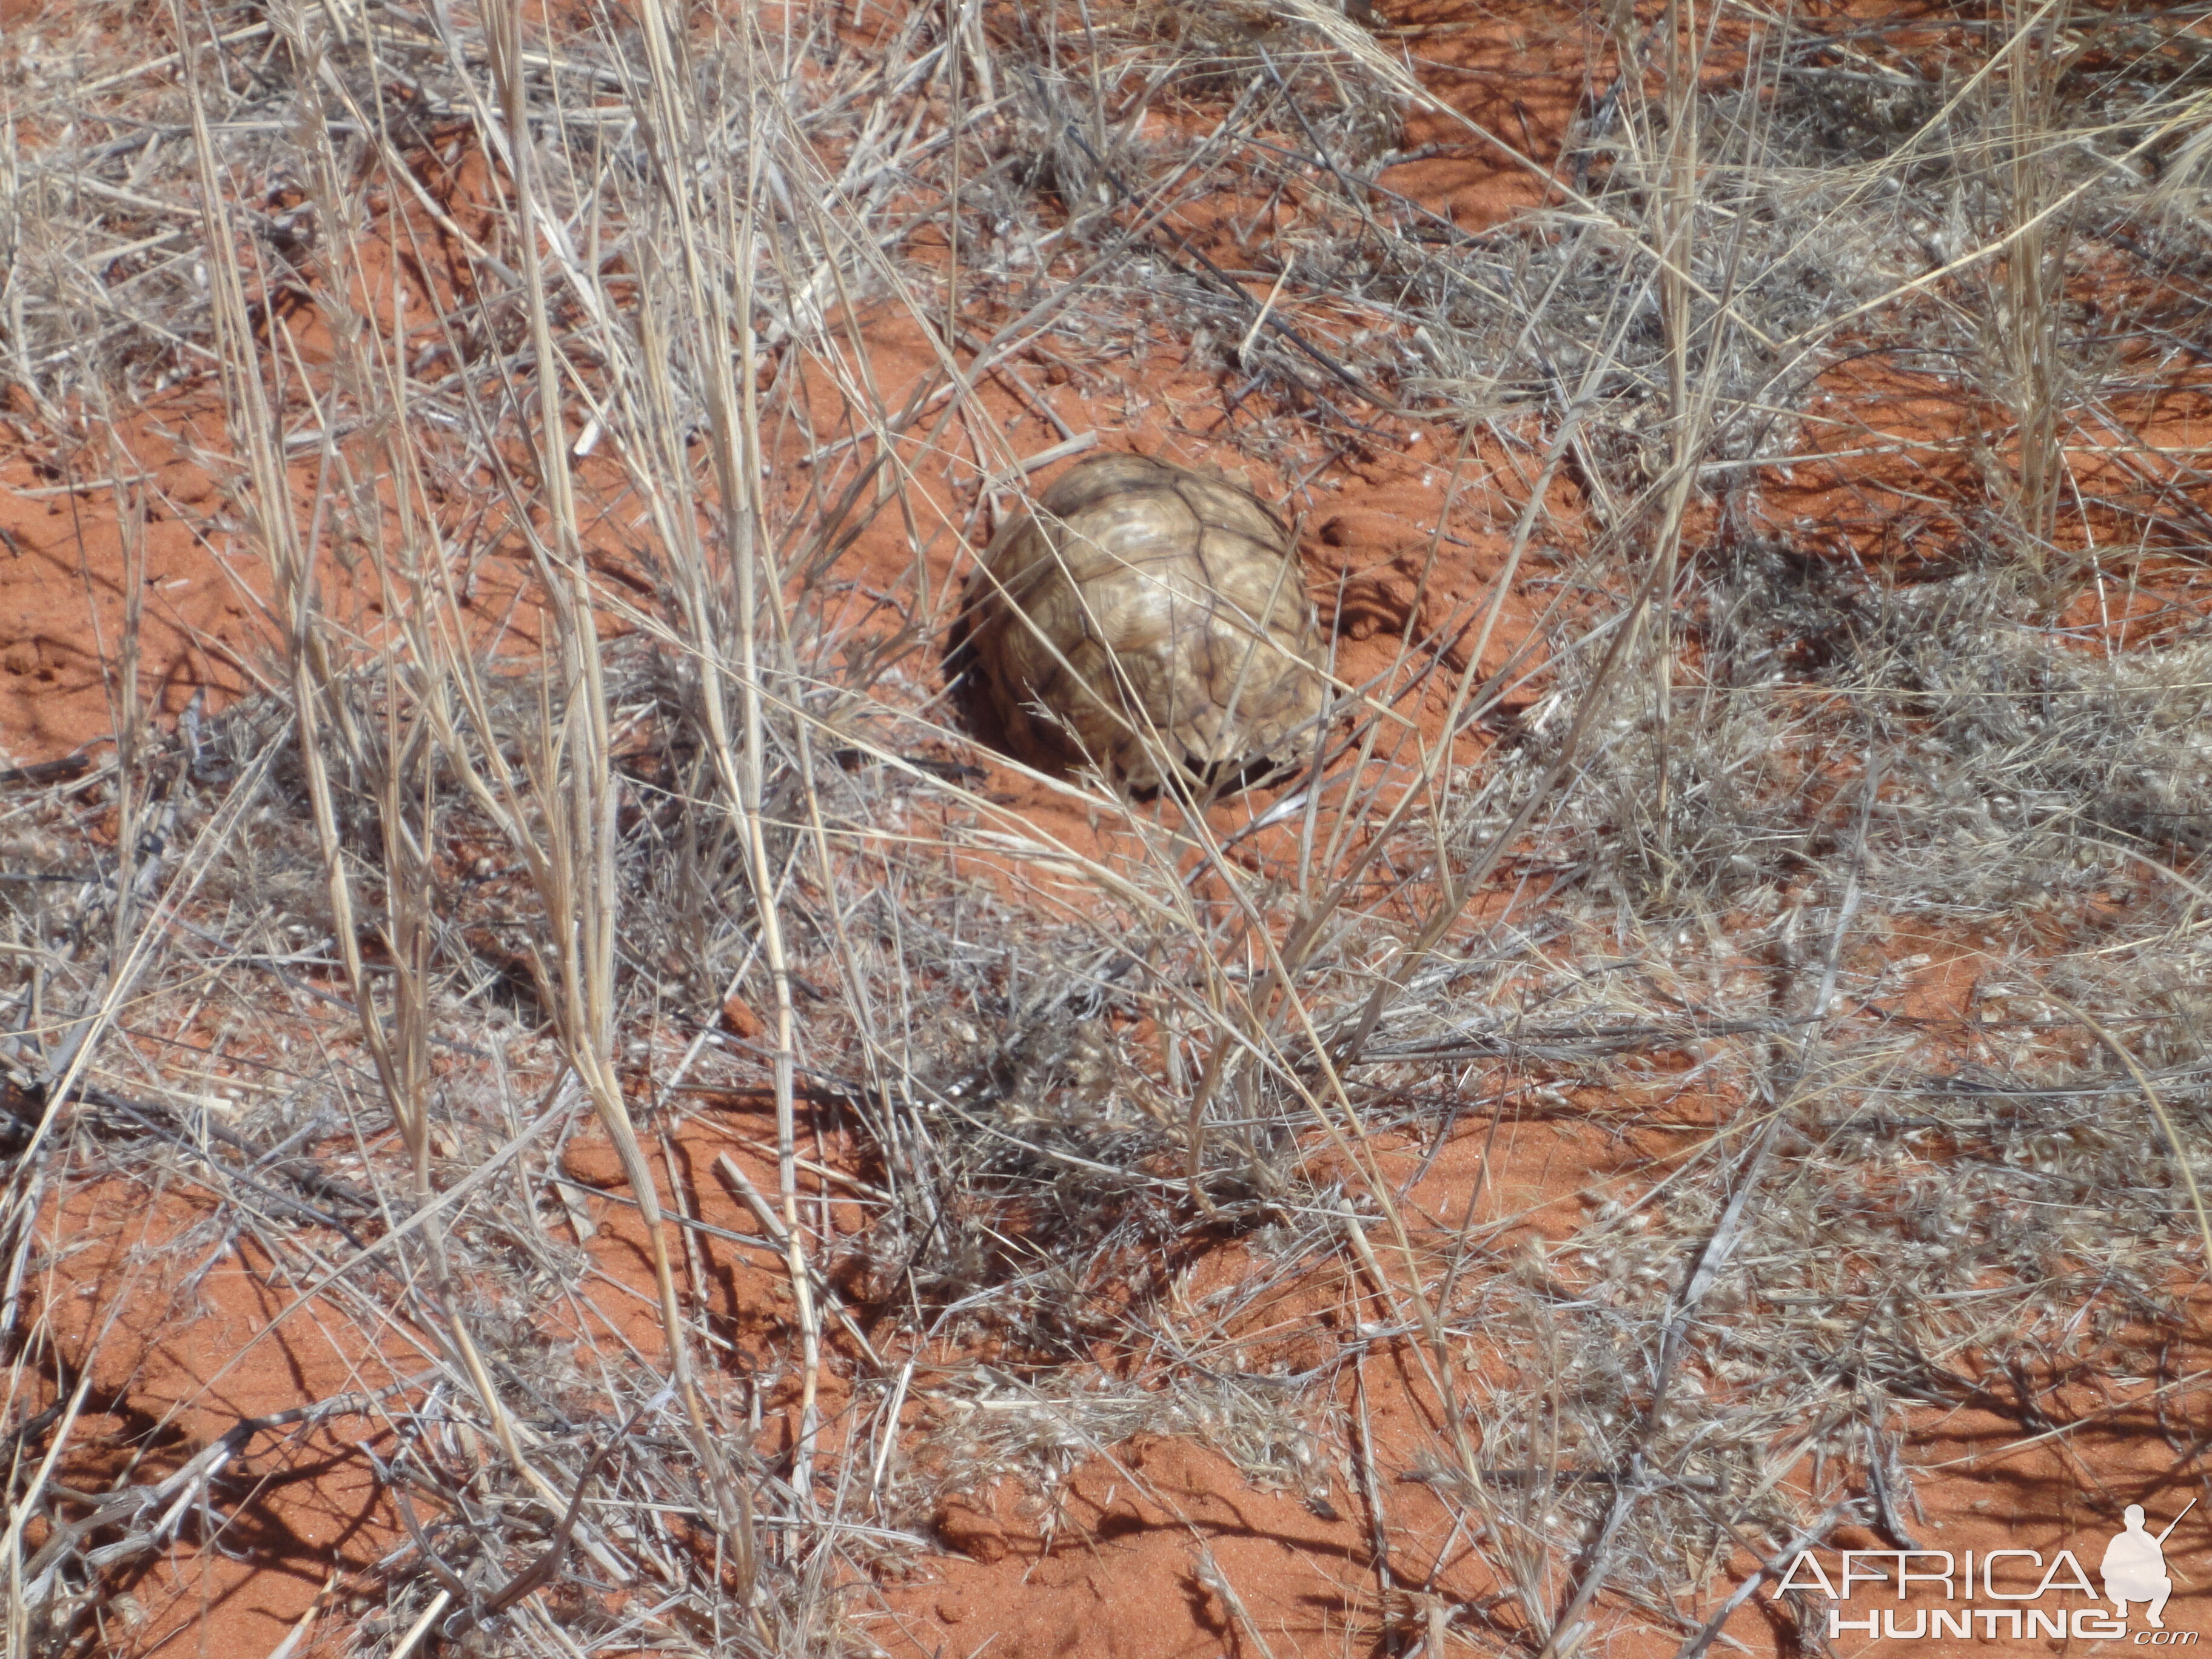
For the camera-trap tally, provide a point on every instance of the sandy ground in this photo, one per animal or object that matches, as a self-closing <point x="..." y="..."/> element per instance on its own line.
<point x="1127" y="1556"/>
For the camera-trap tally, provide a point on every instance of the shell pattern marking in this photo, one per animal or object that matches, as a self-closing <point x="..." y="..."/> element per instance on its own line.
<point x="1146" y="613"/>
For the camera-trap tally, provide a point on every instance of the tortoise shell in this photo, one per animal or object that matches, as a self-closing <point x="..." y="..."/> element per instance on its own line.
<point x="1144" y="616"/>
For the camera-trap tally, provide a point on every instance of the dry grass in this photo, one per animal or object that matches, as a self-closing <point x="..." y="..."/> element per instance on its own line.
<point x="443" y="891"/>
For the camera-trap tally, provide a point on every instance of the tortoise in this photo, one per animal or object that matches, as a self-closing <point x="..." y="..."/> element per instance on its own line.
<point x="1144" y="614"/>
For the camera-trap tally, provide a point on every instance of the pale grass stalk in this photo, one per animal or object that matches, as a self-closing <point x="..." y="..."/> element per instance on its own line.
<point x="125" y="693"/>
<point x="1675" y="206"/>
<point x="573" y="786"/>
<point x="2033" y="280"/>
<point x="759" y="590"/>
<point x="420" y="1630"/>
<point x="670" y="122"/>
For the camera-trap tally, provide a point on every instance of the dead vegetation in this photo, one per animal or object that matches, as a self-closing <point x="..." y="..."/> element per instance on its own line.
<point x="576" y="734"/>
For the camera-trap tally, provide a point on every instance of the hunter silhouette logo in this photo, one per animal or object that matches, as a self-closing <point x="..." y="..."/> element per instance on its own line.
<point x="2133" y="1568"/>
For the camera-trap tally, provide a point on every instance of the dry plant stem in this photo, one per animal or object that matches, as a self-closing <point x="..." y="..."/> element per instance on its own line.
<point x="559" y="1104"/>
<point x="67" y="1065"/>
<point x="126" y="718"/>
<point x="573" y="782"/>
<point x="741" y="1188"/>
<point x="953" y="44"/>
<point x="1435" y="1352"/>
<point x="1209" y="1573"/>
<point x="758" y="587"/>
<point x="644" y="403"/>
<point x="1355" y="43"/>
<point x="672" y="124"/>
<point x="1348" y="1137"/>
<point x="2034" y="282"/>
<point x="1828" y="327"/>
<point x="423" y="1625"/>
<point x="1676" y="205"/>
<point x="291" y="566"/>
